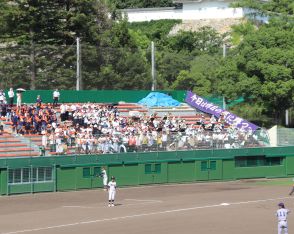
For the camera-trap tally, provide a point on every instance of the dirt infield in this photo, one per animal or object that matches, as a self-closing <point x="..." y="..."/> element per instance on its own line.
<point x="208" y="208"/>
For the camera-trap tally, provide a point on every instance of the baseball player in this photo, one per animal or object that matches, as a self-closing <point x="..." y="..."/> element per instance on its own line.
<point x="282" y="214"/>
<point x="104" y="176"/>
<point x="111" y="191"/>
<point x="292" y="191"/>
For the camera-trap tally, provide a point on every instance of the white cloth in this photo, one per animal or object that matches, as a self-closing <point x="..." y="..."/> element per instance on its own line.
<point x="10" y="94"/>
<point x="56" y="94"/>
<point x="18" y="99"/>
<point x="104" y="176"/>
<point x="282" y="215"/>
<point x="111" y="190"/>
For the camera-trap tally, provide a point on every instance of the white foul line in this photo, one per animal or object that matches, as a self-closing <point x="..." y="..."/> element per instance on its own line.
<point x="142" y="215"/>
<point x="143" y="200"/>
<point x="105" y="206"/>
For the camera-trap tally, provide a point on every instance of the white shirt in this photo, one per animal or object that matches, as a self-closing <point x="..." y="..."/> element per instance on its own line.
<point x="10" y="94"/>
<point x="56" y="94"/>
<point x="111" y="186"/>
<point x="104" y="174"/>
<point x="282" y="214"/>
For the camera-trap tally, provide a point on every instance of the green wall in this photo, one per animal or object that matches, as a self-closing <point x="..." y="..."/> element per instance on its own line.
<point x="99" y="96"/>
<point x="131" y="169"/>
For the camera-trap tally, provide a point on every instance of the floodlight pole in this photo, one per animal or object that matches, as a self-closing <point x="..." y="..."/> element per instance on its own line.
<point x="78" y="74"/>
<point x="224" y="50"/>
<point x="153" y="72"/>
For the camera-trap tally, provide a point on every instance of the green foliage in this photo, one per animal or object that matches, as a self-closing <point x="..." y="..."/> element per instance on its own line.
<point x="41" y="35"/>
<point x="206" y="40"/>
<point x="241" y="30"/>
<point x="272" y="7"/>
<point x="201" y="76"/>
<point x="262" y="69"/>
<point x="154" y="30"/>
<point x="122" y="4"/>
<point x="38" y="50"/>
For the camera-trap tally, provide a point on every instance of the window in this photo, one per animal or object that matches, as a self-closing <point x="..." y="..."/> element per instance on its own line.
<point x="48" y="173"/>
<point x="29" y="175"/>
<point x="148" y="169"/>
<point x="257" y="161"/>
<point x="213" y="165"/>
<point x="157" y="168"/>
<point x="274" y="161"/>
<point x="35" y="174"/>
<point x="153" y="168"/>
<point x="17" y="176"/>
<point x="97" y="171"/>
<point x="86" y="172"/>
<point x="41" y="174"/>
<point x="26" y="175"/>
<point x="204" y="166"/>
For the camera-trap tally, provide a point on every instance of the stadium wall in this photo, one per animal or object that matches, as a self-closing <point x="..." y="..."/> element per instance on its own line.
<point x="63" y="173"/>
<point x="98" y="96"/>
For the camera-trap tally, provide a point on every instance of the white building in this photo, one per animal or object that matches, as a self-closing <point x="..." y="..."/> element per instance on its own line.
<point x="187" y="10"/>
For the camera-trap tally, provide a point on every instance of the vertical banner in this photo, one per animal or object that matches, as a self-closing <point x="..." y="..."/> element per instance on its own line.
<point x="204" y="105"/>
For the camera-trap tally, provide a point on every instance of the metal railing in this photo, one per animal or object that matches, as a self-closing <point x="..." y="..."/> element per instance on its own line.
<point x="150" y="142"/>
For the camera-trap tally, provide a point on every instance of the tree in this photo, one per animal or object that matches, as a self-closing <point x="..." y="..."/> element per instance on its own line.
<point x="271" y="7"/>
<point x="261" y="68"/>
<point x="204" y="41"/>
<point x="40" y="32"/>
<point x="201" y="77"/>
<point x="122" y="4"/>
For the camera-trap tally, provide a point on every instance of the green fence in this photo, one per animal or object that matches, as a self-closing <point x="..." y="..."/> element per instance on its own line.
<point x="98" y="96"/>
<point x="103" y="96"/>
<point x="62" y="173"/>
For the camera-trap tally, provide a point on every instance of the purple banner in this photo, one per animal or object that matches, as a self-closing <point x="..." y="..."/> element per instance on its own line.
<point x="204" y="105"/>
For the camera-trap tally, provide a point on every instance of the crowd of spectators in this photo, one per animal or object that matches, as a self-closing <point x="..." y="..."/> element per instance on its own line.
<point x="99" y="129"/>
<point x="91" y="128"/>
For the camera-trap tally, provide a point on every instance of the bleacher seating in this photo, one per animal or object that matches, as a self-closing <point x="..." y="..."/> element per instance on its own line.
<point x="12" y="144"/>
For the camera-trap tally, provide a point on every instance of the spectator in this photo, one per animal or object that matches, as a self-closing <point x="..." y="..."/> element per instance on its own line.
<point x="38" y="102"/>
<point x="2" y="97"/>
<point x="56" y="96"/>
<point x="18" y="99"/>
<point x="11" y="96"/>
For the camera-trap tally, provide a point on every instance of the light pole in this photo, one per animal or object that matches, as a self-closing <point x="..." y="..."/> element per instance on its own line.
<point x="78" y="74"/>
<point x="153" y="71"/>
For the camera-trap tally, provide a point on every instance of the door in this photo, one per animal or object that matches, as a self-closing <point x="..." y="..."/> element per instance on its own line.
<point x="209" y="170"/>
<point x="96" y="180"/>
<point x="90" y="178"/>
<point x="151" y="173"/>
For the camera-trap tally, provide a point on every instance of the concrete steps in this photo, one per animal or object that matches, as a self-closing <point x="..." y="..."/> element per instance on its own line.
<point x="12" y="145"/>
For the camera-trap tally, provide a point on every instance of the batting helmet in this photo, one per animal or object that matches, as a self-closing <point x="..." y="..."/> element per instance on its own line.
<point x="281" y="204"/>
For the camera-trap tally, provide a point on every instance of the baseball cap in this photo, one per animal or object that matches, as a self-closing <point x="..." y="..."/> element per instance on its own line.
<point x="281" y="204"/>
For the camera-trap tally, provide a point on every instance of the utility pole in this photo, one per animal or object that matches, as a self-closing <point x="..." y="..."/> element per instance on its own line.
<point x="79" y="75"/>
<point x="224" y="103"/>
<point x="224" y="50"/>
<point x="153" y="72"/>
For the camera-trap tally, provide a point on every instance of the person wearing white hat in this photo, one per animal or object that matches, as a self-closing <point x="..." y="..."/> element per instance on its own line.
<point x="103" y="174"/>
<point x="282" y="214"/>
<point x="111" y="191"/>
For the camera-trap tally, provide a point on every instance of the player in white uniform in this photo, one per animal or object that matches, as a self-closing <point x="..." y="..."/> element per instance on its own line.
<point x="111" y="191"/>
<point x="282" y="214"/>
<point x="105" y="178"/>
